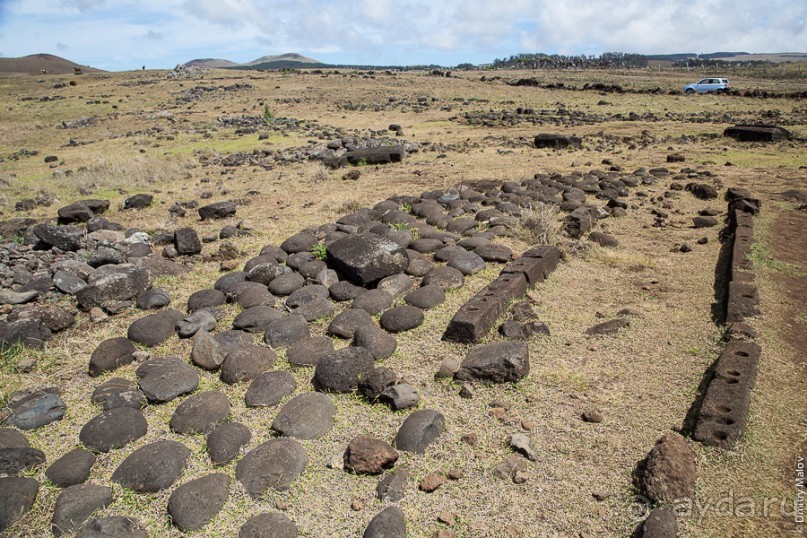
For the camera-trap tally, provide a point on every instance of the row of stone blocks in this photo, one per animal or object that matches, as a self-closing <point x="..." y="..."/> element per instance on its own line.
<point x="474" y="320"/>
<point x="723" y="414"/>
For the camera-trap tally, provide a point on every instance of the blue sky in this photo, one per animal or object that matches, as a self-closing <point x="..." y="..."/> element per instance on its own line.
<point x="126" y="34"/>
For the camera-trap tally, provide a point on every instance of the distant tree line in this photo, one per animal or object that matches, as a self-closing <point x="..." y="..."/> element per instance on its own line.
<point x="607" y="60"/>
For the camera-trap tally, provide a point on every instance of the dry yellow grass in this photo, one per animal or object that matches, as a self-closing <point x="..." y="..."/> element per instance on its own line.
<point x="643" y="380"/>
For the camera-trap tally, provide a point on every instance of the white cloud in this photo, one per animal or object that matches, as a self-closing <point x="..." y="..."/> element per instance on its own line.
<point x="394" y="31"/>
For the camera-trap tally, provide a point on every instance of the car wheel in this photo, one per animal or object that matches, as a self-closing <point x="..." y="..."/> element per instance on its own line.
<point x="689" y="91"/>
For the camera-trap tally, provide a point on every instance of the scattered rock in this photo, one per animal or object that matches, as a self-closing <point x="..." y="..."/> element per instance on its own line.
<point x="17" y="496"/>
<point x="431" y="482"/>
<point x="400" y="396"/>
<point x="592" y="415"/>
<point x="154" y="329"/>
<point x="660" y="523"/>
<point x="389" y="523"/>
<point x="341" y="370"/>
<point x="419" y="430"/>
<point x="34" y="408"/>
<point x="391" y="487"/>
<point x="499" y="362"/>
<point x="365" y="455"/>
<point x="365" y="258"/>
<point x="118" y="392"/>
<point x="110" y="355"/>
<point x="307" y="416"/>
<point x="521" y="443"/>
<point x="669" y="472"/>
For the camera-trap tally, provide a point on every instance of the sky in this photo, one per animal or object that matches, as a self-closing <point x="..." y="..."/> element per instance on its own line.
<point x="119" y="35"/>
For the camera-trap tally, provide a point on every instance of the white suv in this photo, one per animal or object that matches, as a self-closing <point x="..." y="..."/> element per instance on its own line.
<point x="707" y="85"/>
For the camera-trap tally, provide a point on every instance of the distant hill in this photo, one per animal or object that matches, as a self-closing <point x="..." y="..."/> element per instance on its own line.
<point x="288" y="57"/>
<point x="278" y="61"/>
<point x="210" y="63"/>
<point x="35" y="63"/>
<point x="731" y="57"/>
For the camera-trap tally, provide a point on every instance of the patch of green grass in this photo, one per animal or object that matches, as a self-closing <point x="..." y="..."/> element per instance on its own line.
<point x="566" y="379"/>
<point x="761" y="256"/>
<point x="10" y="355"/>
<point x="320" y="251"/>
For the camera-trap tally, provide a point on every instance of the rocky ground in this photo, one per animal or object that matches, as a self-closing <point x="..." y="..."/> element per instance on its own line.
<point x="335" y="304"/>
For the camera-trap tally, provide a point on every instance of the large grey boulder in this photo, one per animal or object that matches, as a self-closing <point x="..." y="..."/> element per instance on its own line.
<point x="364" y="258"/>
<point x="499" y="362"/>
<point x="113" y="284"/>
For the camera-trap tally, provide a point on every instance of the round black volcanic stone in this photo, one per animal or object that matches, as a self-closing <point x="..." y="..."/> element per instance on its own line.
<point x="344" y="325"/>
<point x="379" y="343"/>
<point x="193" y="504"/>
<point x="154" y="329"/>
<point x="226" y="283"/>
<point x="118" y="392"/>
<point x="402" y="318"/>
<point x="257" y="318"/>
<point x="274" y="464"/>
<point x="287" y="331"/>
<point x="164" y="378"/>
<point x="225" y="441"/>
<point x="76" y="504"/>
<point x="419" y="430"/>
<point x="426" y="297"/>
<point x="17" y="496"/>
<point x="245" y="363"/>
<point x="446" y="277"/>
<point x="111" y="429"/>
<point x="389" y="523"/>
<point x="308" y="352"/>
<point x="153" y="467"/>
<point x="341" y="370"/>
<point x="287" y="284"/>
<point x="206" y="299"/>
<point x="307" y="416"/>
<point x="152" y="298"/>
<point x="269" y="388"/>
<point x="257" y="295"/>
<point x="11" y="438"/>
<point x="72" y="468"/>
<point x="200" y="413"/>
<point x="345" y="291"/>
<point x="467" y="263"/>
<point x="111" y="354"/>
<point x="373" y="301"/>
<point x="259" y="527"/>
<point x="113" y="526"/>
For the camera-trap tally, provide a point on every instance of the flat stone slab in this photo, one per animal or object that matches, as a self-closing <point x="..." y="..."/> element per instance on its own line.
<point x="112" y="429"/>
<point x="307" y="416"/>
<point x="193" y="504"/>
<point x="163" y="379"/>
<point x="274" y="464"/>
<point x="365" y="258"/>
<point x="499" y="362"/>
<point x="200" y="413"/>
<point x="35" y="408"/>
<point x="153" y="467"/>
